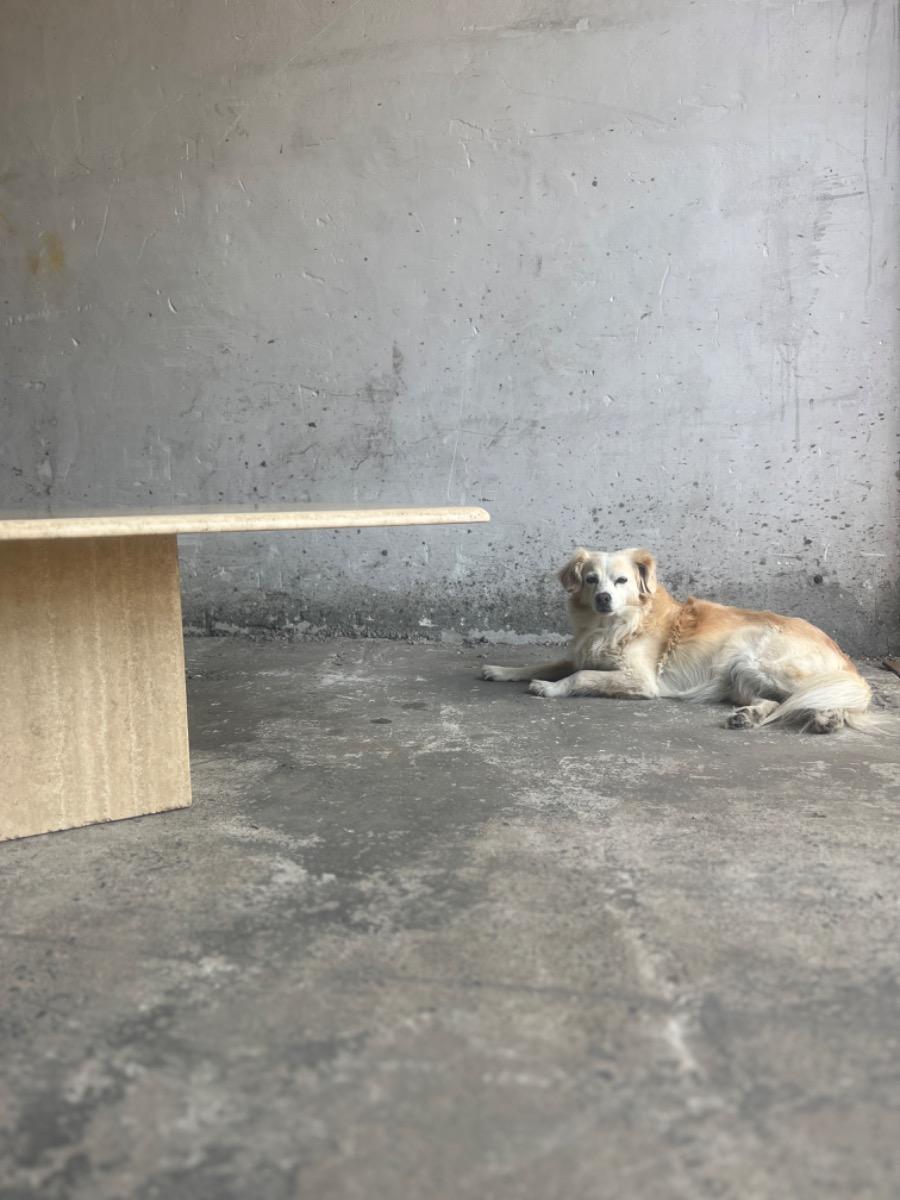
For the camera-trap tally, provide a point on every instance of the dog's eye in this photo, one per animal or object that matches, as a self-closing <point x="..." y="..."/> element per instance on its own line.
<point x="621" y="579"/>
<point x="592" y="578"/>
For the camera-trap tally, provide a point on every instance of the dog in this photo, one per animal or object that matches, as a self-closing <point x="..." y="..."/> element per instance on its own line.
<point x="633" y="640"/>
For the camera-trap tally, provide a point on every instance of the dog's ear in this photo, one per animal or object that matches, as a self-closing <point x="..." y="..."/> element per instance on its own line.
<point x="570" y="575"/>
<point x="645" y="565"/>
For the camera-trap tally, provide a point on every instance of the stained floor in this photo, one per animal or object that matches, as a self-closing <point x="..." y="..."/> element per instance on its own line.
<point x="422" y="937"/>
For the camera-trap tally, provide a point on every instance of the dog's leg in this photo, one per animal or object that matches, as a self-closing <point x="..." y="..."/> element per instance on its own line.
<point x="619" y="684"/>
<point x="555" y="670"/>
<point x="751" y="714"/>
<point x="750" y="684"/>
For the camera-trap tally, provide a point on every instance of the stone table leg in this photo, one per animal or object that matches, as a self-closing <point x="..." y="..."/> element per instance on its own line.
<point x="93" y="714"/>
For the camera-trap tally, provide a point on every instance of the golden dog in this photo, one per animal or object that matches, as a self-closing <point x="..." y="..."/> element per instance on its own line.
<point x="632" y="639"/>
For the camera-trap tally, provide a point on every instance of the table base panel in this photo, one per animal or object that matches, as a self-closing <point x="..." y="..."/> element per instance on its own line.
<point x="93" y="713"/>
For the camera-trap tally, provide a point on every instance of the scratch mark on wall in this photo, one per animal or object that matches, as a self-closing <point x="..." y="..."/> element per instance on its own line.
<point x="533" y="26"/>
<point x="870" y="43"/>
<point x="559" y="133"/>
<point x="102" y="230"/>
<point x="633" y="115"/>
<point x="889" y="125"/>
<point x="286" y="64"/>
<point x="455" y="448"/>
<point x="140" y="128"/>
<point x="76" y="125"/>
<point x="469" y="125"/>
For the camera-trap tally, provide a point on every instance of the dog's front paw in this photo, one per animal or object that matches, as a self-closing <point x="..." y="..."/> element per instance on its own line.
<point x="545" y="689"/>
<point x="497" y="674"/>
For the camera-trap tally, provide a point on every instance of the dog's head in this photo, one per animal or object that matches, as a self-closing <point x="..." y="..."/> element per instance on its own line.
<point x="609" y="583"/>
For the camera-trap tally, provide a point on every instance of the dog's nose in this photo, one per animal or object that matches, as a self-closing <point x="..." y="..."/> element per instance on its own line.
<point x="604" y="600"/>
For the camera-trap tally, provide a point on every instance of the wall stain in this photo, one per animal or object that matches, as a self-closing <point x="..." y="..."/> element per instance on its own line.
<point x="50" y="259"/>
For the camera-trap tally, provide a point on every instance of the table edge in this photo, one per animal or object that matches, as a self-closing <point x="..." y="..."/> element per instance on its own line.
<point x="54" y="528"/>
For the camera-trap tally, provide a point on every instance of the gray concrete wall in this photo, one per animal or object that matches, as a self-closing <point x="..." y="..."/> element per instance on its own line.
<point x="625" y="271"/>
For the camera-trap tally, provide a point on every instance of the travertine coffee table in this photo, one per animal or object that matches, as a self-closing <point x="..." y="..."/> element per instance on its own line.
<point x="93" y="717"/>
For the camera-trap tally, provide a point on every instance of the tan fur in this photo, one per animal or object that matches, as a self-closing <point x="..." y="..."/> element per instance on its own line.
<point x="632" y="639"/>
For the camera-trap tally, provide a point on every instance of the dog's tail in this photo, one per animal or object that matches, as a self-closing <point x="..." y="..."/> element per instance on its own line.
<point x="824" y="703"/>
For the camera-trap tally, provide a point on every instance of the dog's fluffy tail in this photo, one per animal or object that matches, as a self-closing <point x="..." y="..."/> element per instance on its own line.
<point x="826" y="702"/>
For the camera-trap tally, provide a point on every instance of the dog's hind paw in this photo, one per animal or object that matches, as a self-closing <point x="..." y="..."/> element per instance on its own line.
<point x="741" y="718"/>
<point x="828" y="720"/>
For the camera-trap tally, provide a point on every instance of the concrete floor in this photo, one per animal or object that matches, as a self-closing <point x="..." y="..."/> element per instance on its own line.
<point x="426" y="937"/>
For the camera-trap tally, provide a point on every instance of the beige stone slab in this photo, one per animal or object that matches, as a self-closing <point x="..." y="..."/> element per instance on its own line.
<point x="146" y="522"/>
<point x="93" y="714"/>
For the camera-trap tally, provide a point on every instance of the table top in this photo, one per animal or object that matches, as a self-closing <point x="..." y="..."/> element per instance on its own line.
<point x="135" y="522"/>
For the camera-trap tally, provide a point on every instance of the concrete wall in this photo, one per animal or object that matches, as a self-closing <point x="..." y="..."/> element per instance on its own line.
<point x="625" y="270"/>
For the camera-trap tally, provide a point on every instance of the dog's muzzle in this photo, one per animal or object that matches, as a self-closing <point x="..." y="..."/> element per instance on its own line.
<point x="603" y="602"/>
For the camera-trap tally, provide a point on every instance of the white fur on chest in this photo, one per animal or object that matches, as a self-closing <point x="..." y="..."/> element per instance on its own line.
<point x="604" y="646"/>
<point x="596" y="652"/>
